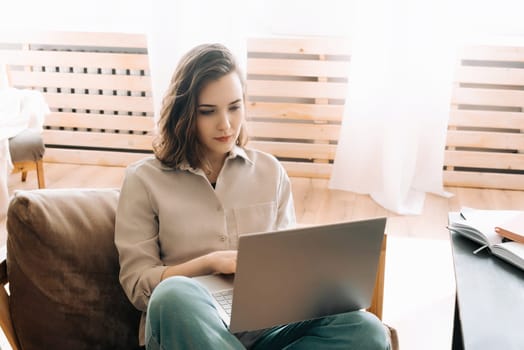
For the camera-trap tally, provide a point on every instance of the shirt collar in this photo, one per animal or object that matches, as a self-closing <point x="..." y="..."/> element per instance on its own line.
<point x="237" y="151"/>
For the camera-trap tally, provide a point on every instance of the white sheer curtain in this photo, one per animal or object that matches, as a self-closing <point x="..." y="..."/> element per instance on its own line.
<point x="393" y="135"/>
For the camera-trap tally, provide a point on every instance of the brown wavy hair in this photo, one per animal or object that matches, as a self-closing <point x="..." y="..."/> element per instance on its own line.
<point x="177" y="141"/>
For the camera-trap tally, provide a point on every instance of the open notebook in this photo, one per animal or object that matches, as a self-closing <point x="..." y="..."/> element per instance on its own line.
<point x="480" y="226"/>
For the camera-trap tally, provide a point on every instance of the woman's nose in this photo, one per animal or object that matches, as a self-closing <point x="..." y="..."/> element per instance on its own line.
<point x="224" y="123"/>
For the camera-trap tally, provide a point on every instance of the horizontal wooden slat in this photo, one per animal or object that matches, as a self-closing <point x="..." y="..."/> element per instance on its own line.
<point x="80" y="81"/>
<point x="293" y="67"/>
<point x="309" y="45"/>
<point x="487" y="119"/>
<point x="297" y="89"/>
<point x="97" y="139"/>
<point x="99" y="102"/>
<point x="490" y="75"/>
<point x="293" y="131"/>
<point x="99" y="121"/>
<point x="483" y="180"/>
<point x="295" y="111"/>
<point x="509" y="141"/>
<point x="296" y="169"/>
<point x="75" y="59"/>
<point x="66" y="38"/>
<point x="105" y="158"/>
<point x="315" y="170"/>
<point x="493" y="53"/>
<point x="296" y="150"/>
<point x="488" y="97"/>
<point x="487" y="160"/>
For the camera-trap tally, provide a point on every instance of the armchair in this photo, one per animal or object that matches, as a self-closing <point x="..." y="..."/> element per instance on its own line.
<point x="62" y="269"/>
<point x="27" y="151"/>
<point x="26" y="148"/>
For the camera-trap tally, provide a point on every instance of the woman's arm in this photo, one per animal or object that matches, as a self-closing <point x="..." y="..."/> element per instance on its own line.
<point x="223" y="261"/>
<point x="136" y="238"/>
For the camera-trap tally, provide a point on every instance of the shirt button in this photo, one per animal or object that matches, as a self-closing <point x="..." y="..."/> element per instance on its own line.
<point x="222" y="238"/>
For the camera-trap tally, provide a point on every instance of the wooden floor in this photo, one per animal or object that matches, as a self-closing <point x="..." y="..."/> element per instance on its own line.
<point x="419" y="286"/>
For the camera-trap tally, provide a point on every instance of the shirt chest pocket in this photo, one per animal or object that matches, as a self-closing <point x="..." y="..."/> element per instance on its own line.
<point x="259" y="217"/>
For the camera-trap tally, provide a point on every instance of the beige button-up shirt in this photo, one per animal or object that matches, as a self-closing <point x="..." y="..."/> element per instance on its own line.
<point x="166" y="216"/>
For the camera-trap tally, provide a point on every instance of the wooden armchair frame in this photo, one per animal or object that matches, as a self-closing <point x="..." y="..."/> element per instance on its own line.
<point x="5" y="315"/>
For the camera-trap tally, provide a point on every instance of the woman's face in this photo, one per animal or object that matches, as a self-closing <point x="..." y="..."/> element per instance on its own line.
<point x="220" y="112"/>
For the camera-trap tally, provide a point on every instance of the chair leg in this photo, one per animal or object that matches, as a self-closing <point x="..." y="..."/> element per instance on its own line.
<point x="24" y="175"/>
<point x="40" y="174"/>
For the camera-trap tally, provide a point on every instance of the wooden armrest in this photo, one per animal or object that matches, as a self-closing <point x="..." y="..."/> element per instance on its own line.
<point x="378" y="294"/>
<point x="5" y="314"/>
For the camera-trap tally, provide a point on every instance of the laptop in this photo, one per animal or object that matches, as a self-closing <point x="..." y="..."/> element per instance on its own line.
<point x="299" y="274"/>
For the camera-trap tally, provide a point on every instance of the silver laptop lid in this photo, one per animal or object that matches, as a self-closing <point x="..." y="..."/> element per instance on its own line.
<point x="304" y="273"/>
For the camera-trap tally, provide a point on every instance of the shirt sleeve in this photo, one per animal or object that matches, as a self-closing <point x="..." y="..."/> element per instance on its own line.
<point x="285" y="206"/>
<point x="136" y="239"/>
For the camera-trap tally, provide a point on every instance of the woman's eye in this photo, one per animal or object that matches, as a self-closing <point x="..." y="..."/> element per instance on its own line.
<point x="206" y="111"/>
<point x="234" y="108"/>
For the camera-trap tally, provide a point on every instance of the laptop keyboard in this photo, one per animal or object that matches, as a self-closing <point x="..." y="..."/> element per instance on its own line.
<point x="225" y="299"/>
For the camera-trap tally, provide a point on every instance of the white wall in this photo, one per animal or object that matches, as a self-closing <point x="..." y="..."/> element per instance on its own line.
<point x="312" y="17"/>
<point x="130" y="16"/>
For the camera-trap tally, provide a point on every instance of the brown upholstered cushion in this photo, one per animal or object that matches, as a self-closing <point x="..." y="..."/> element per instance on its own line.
<point x="63" y="271"/>
<point x="27" y="146"/>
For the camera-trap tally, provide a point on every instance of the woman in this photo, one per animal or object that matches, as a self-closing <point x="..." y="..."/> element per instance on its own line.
<point x="180" y="215"/>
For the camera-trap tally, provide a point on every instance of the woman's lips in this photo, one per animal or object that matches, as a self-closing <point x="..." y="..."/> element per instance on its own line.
<point x="223" y="138"/>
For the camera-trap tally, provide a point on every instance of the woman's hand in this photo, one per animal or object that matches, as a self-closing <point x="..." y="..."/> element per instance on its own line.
<point x="223" y="261"/>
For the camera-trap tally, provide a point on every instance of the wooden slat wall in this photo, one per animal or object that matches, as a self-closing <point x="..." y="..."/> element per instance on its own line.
<point x="485" y="142"/>
<point x="296" y="89"/>
<point x="98" y="87"/>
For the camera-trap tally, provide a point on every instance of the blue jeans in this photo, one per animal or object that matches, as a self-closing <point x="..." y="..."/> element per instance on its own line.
<point x="181" y="315"/>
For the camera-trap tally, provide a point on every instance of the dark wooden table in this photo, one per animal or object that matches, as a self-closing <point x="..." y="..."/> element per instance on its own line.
<point x="489" y="309"/>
